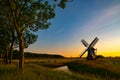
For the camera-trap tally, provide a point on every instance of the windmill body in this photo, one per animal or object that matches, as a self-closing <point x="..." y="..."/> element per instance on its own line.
<point x="90" y="48"/>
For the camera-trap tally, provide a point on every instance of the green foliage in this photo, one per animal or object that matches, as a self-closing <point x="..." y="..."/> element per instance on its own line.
<point x="29" y="38"/>
<point x="22" y="16"/>
<point x="29" y="15"/>
<point x="32" y="14"/>
<point x="4" y="37"/>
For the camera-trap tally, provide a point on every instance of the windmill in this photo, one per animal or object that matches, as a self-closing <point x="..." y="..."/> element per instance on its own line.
<point x="91" y="51"/>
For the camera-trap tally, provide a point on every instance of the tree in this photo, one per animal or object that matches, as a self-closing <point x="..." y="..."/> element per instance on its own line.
<point x="9" y="42"/>
<point x="4" y="45"/>
<point x="30" y="15"/>
<point x="8" y="34"/>
<point x="6" y="29"/>
<point x="29" y="38"/>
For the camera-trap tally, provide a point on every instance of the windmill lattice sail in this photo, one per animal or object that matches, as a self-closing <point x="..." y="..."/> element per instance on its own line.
<point x="91" y="51"/>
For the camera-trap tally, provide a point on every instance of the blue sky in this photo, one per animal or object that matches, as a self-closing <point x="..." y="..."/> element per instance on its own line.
<point x="82" y="19"/>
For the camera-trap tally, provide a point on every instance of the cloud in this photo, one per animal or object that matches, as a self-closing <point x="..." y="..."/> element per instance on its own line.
<point x="102" y="18"/>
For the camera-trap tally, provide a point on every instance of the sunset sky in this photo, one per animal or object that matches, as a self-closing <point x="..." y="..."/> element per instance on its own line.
<point x="82" y="19"/>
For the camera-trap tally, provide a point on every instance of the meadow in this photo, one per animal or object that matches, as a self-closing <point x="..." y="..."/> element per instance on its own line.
<point x="35" y="71"/>
<point x="107" y="68"/>
<point x="43" y="69"/>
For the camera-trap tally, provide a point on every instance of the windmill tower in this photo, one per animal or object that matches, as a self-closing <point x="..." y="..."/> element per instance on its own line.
<point x="91" y="51"/>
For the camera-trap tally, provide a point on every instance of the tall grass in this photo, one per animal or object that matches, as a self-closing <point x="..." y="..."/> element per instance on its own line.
<point x="100" y="68"/>
<point x="36" y="72"/>
<point x="51" y="63"/>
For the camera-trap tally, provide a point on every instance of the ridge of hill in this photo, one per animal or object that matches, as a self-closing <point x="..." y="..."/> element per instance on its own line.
<point x="35" y="55"/>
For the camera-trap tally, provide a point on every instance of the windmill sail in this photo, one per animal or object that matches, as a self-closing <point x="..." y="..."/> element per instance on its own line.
<point x="94" y="42"/>
<point x="84" y="43"/>
<point x="90" y="49"/>
<point x="83" y="53"/>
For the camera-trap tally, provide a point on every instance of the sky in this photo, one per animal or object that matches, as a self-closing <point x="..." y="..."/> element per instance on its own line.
<point x="82" y="19"/>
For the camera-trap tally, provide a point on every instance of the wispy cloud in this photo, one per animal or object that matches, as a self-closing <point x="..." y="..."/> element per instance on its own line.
<point x="102" y="18"/>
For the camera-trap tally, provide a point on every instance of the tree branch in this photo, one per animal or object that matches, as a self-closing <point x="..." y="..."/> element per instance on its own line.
<point x="20" y="13"/>
<point x="26" y="25"/>
<point x="13" y="16"/>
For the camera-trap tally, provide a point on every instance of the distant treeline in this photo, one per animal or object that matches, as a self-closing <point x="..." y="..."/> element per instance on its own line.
<point x="35" y="55"/>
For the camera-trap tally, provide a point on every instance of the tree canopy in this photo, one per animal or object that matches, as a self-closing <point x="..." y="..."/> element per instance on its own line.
<point x="24" y="16"/>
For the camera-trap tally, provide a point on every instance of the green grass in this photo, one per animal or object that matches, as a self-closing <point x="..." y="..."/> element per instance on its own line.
<point x="36" y="72"/>
<point x="51" y="63"/>
<point x="42" y="69"/>
<point x="108" y="69"/>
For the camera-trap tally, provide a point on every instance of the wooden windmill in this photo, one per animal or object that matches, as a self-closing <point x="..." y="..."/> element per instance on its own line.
<point x="90" y="48"/>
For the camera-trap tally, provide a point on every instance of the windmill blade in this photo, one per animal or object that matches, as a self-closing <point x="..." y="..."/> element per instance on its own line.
<point x="83" y="52"/>
<point x="94" y="42"/>
<point x="84" y="43"/>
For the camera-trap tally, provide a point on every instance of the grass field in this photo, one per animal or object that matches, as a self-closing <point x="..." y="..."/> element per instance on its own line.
<point x="35" y="71"/>
<point x="107" y="69"/>
<point x="50" y="63"/>
<point x="42" y="69"/>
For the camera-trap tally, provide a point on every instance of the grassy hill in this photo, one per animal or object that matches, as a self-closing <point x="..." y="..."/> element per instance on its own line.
<point x="36" y="55"/>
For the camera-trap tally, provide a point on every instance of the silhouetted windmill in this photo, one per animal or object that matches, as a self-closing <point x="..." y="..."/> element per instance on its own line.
<point x="91" y="51"/>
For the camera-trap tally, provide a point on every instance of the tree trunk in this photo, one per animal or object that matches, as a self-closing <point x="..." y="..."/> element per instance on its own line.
<point x="11" y="48"/>
<point x="19" y="33"/>
<point x="21" y="51"/>
<point x="10" y="54"/>
<point x="6" y="56"/>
